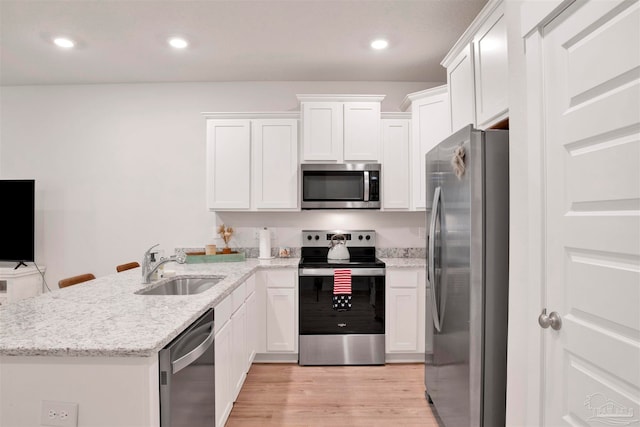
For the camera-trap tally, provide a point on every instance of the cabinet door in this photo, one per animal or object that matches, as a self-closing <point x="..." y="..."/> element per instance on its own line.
<point x="322" y="131"/>
<point x="361" y="131"/>
<point x="405" y="310"/>
<point x="430" y="122"/>
<point x="228" y="164"/>
<point x="491" y="70"/>
<point x="402" y="319"/>
<point x="224" y="398"/>
<point x="461" y="89"/>
<point x="281" y="317"/>
<point x="239" y="349"/>
<point x="275" y="163"/>
<point x="252" y="325"/>
<point x="396" y="177"/>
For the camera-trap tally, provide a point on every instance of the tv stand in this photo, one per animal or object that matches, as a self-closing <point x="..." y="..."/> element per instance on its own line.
<point x="19" y="264"/>
<point x="17" y="284"/>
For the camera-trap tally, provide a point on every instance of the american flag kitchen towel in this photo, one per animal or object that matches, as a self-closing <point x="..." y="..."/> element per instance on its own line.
<point x="342" y="290"/>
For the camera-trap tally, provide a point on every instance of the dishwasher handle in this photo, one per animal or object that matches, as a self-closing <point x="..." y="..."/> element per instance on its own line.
<point x="193" y="355"/>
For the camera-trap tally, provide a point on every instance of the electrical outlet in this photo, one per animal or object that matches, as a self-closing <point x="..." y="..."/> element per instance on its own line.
<point x="59" y="414"/>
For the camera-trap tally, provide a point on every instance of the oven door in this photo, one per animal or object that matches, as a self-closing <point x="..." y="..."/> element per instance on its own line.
<point x="316" y="313"/>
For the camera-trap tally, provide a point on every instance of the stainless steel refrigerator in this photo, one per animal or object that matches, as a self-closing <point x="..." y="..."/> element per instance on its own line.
<point x="467" y="268"/>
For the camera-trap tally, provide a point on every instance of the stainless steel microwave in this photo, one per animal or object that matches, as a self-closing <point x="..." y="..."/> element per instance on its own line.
<point x="340" y="186"/>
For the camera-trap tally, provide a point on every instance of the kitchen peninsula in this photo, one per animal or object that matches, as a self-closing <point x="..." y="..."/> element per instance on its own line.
<point x="96" y="343"/>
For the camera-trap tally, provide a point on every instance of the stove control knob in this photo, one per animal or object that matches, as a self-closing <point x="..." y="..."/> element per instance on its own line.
<point x="360" y="237"/>
<point x="317" y="237"/>
<point x="309" y="237"/>
<point x="368" y="237"/>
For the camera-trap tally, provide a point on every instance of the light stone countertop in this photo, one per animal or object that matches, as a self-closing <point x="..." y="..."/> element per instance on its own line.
<point x="104" y="317"/>
<point x="404" y="262"/>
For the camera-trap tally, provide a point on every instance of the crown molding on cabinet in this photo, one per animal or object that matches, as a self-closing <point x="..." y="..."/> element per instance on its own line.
<point x="395" y="115"/>
<point x="253" y="115"/>
<point x="537" y="14"/>
<point x="467" y="36"/>
<point x="339" y="98"/>
<point x="406" y="102"/>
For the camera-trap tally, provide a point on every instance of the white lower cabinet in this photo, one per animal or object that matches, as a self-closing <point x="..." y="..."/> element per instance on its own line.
<point x="260" y="316"/>
<point x="223" y="360"/>
<point x="405" y="314"/>
<point x="238" y="345"/>
<point x="251" y="303"/>
<point x="233" y="345"/>
<point x="282" y="311"/>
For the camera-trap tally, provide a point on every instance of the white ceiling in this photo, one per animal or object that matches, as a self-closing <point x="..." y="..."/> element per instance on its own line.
<point x="232" y="40"/>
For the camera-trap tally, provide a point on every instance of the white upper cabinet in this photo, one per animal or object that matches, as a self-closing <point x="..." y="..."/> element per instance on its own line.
<point x="491" y="70"/>
<point x="361" y="131"/>
<point x="396" y="166"/>
<point x="252" y="163"/>
<point x="340" y="128"/>
<point x="275" y="163"/>
<point x="229" y="164"/>
<point x="477" y="71"/>
<point x="322" y="131"/>
<point x="430" y="120"/>
<point x="462" y="89"/>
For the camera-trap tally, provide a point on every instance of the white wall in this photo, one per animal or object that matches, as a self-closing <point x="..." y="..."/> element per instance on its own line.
<point x="121" y="167"/>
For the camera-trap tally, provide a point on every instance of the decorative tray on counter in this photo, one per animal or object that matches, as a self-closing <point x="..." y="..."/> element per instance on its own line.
<point x="200" y="258"/>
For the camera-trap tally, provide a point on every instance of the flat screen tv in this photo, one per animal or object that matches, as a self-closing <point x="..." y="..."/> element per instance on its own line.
<point x="18" y="215"/>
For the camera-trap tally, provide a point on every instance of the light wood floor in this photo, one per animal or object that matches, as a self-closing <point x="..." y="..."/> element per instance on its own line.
<point x="335" y="396"/>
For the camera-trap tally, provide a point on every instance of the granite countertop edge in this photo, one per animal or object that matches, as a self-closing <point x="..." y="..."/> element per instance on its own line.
<point x="106" y="318"/>
<point x="404" y="262"/>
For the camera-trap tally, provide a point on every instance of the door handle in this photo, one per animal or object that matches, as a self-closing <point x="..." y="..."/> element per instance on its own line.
<point x="431" y="270"/>
<point x="553" y="320"/>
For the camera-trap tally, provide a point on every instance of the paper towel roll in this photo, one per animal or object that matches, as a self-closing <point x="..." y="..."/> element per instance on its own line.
<point x="265" y="243"/>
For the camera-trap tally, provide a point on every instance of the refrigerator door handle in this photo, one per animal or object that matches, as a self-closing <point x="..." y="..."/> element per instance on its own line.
<point x="431" y="262"/>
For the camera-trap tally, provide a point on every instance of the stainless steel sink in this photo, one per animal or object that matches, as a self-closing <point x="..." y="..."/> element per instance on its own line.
<point x="181" y="286"/>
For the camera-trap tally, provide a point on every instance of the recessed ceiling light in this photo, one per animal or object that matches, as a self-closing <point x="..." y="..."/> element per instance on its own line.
<point x="178" y="42"/>
<point x="64" y="42"/>
<point x="379" y="44"/>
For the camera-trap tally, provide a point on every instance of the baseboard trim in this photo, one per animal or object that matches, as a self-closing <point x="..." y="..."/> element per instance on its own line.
<point x="276" y="358"/>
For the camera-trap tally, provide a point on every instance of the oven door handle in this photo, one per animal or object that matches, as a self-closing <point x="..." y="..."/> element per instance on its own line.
<point x="317" y="272"/>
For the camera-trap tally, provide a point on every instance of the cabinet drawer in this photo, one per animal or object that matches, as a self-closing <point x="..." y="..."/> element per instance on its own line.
<point x="280" y="278"/>
<point x="222" y="313"/>
<point x="237" y="296"/>
<point x="403" y="278"/>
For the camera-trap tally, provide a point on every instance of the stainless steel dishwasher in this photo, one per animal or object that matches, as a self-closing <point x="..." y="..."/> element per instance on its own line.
<point x="187" y="377"/>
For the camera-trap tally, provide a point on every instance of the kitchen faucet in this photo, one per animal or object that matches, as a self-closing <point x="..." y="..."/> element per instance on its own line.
<point x="148" y="268"/>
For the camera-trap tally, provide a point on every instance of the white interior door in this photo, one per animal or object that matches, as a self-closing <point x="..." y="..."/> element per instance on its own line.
<point x="591" y="220"/>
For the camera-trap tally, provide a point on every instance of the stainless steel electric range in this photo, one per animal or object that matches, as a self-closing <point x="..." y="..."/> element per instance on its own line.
<point x="331" y="335"/>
